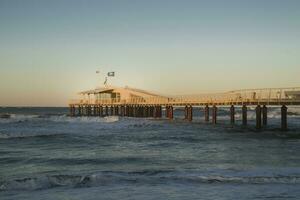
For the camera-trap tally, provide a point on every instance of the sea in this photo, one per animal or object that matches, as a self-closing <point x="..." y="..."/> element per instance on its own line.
<point x="45" y="154"/>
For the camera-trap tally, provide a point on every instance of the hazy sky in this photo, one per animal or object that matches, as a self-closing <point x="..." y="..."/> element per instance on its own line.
<point x="49" y="50"/>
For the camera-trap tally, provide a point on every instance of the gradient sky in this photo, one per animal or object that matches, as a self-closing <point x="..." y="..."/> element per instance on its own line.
<point x="49" y="50"/>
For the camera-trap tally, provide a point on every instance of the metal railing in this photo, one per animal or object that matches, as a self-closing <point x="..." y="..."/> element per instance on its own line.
<point x="255" y="96"/>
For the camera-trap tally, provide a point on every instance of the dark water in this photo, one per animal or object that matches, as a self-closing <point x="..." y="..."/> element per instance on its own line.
<point x="46" y="155"/>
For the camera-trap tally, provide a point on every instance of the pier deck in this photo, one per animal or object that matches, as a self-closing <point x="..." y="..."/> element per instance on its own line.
<point x="140" y="103"/>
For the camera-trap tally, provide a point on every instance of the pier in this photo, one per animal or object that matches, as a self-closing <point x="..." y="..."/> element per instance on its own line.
<point x="130" y="102"/>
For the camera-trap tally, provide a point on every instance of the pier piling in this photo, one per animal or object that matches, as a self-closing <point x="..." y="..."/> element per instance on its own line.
<point x="79" y="110"/>
<point x="206" y="113"/>
<point x="100" y="111"/>
<point x="186" y="112"/>
<point x="167" y="112"/>
<point x="111" y="110"/>
<point x="265" y="114"/>
<point x="146" y="111"/>
<point x="171" y="112"/>
<point x="214" y="114"/>
<point x="232" y="114"/>
<point x="258" y="117"/>
<point x="244" y="115"/>
<point x="283" y="117"/>
<point x="94" y="110"/>
<point x="190" y="113"/>
<point x="106" y="110"/>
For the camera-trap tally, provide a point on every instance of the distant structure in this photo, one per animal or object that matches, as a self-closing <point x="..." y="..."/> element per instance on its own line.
<point x="131" y="102"/>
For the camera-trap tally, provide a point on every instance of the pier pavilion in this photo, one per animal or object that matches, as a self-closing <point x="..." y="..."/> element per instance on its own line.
<point x="133" y="102"/>
<point x="119" y="95"/>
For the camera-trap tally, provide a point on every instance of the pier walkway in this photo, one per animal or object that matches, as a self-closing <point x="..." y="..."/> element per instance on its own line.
<point x="139" y="103"/>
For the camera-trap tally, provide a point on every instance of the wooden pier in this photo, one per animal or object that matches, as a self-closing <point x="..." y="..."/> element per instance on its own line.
<point x="128" y="102"/>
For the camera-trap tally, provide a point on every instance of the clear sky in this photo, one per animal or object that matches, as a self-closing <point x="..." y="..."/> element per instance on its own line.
<point x="49" y="50"/>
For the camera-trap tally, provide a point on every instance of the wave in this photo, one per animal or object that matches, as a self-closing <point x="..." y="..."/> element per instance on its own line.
<point x="144" y="177"/>
<point x="8" y="118"/>
<point x="26" y="135"/>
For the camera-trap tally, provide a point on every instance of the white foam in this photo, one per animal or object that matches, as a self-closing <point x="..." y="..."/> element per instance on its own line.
<point x="46" y="182"/>
<point x="64" y="118"/>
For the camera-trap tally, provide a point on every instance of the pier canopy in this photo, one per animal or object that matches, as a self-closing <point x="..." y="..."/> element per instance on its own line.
<point x="122" y="95"/>
<point x="110" y="95"/>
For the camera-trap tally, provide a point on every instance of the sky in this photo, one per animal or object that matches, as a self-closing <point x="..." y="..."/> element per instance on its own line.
<point x="50" y="50"/>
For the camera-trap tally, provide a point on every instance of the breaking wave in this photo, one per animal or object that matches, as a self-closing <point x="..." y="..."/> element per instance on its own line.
<point x="148" y="177"/>
<point x="7" y="118"/>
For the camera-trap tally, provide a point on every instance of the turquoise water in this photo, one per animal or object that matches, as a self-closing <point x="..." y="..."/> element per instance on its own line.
<point x="44" y="154"/>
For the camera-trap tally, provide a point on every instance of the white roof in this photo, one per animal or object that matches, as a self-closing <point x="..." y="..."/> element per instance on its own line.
<point x="120" y="90"/>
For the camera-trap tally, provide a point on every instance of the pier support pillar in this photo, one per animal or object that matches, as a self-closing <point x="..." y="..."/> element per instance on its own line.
<point x="265" y="114"/>
<point x="151" y="111"/>
<point x="129" y="114"/>
<point x="190" y="113"/>
<point x="140" y="111"/>
<point x="89" y="110"/>
<point x="94" y="110"/>
<point x="244" y="115"/>
<point x="122" y="111"/>
<point x="171" y="112"/>
<point x="214" y="114"/>
<point x="96" y="107"/>
<point x="111" y="110"/>
<point x="106" y="110"/>
<point x="100" y="111"/>
<point x="206" y="113"/>
<point x="143" y="111"/>
<point x="137" y="109"/>
<point x="146" y="111"/>
<point x="258" y="117"/>
<point x="132" y="111"/>
<point x="156" y="111"/>
<point x="126" y="111"/>
<point x="117" y="111"/>
<point x="232" y="114"/>
<point x="129" y="111"/>
<point x="79" y="111"/>
<point x="84" y="110"/>
<point x="283" y="117"/>
<point x="186" y="112"/>
<point x="167" y="111"/>
<point x="159" y="114"/>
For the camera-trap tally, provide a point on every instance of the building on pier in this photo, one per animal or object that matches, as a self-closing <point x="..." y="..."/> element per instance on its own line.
<point x="119" y="95"/>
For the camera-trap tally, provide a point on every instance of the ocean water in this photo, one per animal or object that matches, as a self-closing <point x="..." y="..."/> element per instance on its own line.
<point x="44" y="154"/>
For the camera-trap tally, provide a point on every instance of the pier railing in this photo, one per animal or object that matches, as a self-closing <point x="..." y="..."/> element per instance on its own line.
<point x="269" y="96"/>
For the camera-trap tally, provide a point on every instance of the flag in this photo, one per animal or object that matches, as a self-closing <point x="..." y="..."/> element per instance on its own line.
<point x="111" y="74"/>
<point x="97" y="72"/>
